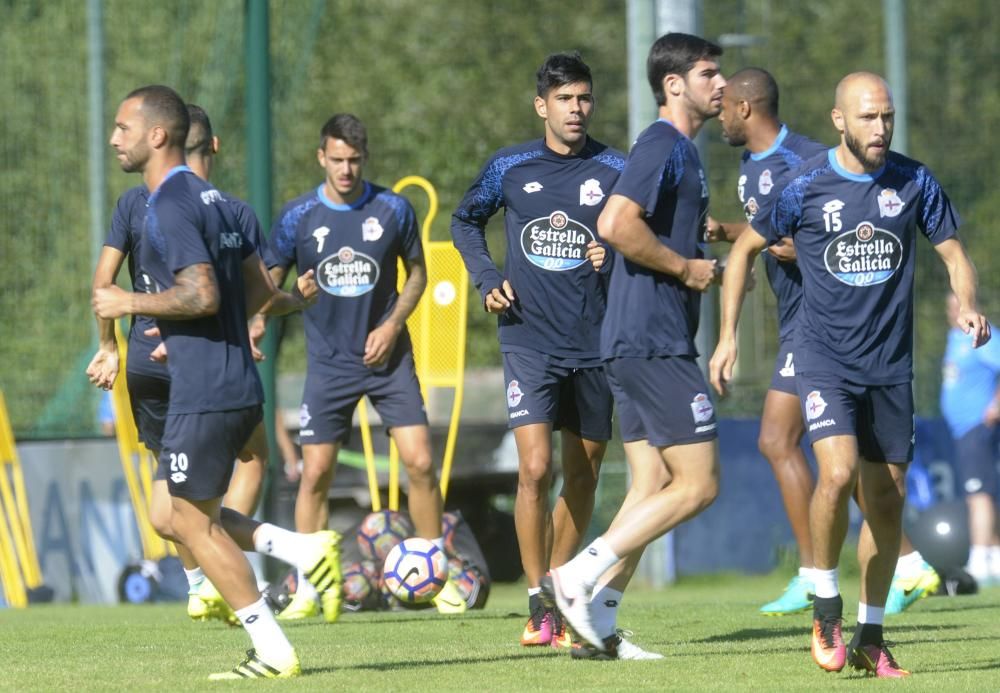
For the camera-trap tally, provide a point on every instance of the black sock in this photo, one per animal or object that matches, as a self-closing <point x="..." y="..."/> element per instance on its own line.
<point x="867" y="634"/>
<point x="828" y="607"/>
<point x="534" y="603"/>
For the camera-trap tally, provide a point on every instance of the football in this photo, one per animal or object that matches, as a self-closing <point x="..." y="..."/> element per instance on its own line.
<point x="415" y="571"/>
<point x="380" y="531"/>
<point x="360" y="585"/>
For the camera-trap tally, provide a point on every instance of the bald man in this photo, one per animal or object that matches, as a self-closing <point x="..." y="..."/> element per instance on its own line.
<point x="854" y="213"/>
<point x="749" y="119"/>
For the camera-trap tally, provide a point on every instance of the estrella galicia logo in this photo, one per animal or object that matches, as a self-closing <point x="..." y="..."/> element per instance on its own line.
<point x="864" y="256"/>
<point x="347" y="273"/>
<point x="556" y="242"/>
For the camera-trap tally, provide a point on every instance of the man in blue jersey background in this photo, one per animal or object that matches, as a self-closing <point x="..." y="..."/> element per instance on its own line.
<point x="654" y="220"/>
<point x="970" y="403"/>
<point x="549" y="304"/>
<point x="854" y="213"/>
<point x="352" y="233"/>
<point x="203" y="278"/>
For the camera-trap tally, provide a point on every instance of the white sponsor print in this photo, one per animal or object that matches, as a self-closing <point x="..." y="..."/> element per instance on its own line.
<point x="864" y="256"/>
<point x="822" y="424"/>
<point x="704" y="182"/>
<point x="591" y="193"/>
<point x="701" y="408"/>
<point x="178" y="477"/>
<point x="704" y="429"/>
<point x="741" y="186"/>
<point x="764" y="183"/>
<point x="320" y="235"/>
<point x="519" y="413"/>
<point x="304" y="416"/>
<point x="210" y="196"/>
<point x="514" y="394"/>
<point x="532" y="187"/>
<point x="815" y="405"/>
<point x="889" y="204"/>
<point x="788" y="370"/>
<point x="371" y="230"/>
<point x="178" y="465"/>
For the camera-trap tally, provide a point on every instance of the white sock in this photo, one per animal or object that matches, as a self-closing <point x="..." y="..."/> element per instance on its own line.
<point x="806" y="573"/>
<point x="532" y="591"/>
<point x="995" y="560"/>
<point x="590" y="564"/>
<point x="268" y="639"/>
<point x="195" y="577"/>
<point x="604" y="609"/>
<point x="304" y="587"/>
<point x="286" y="546"/>
<point x="909" y="565"/>
<point x="979" y="557"/>
<point x="826" y="582"/>
<point x="873" y="615"/>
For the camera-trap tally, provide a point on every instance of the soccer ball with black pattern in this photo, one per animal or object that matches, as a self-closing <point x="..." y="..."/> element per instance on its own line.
<point x="415" y="571"/>
<point x="360" y="586"/>
<point x="380" y="532"/>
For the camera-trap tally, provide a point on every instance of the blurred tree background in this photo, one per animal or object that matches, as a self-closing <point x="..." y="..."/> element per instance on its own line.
<point x="441" y="86"/>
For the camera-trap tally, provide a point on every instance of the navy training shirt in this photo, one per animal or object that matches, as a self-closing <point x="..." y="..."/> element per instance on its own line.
<point x="760" y="174"/>
<point x="651" y="313"/>
<point x="189" y="222"/>
<point x="551" y="203"/>
<point x="126" y="235"/>
<point x="354" y="250"/>
<point x="856" y="245"/>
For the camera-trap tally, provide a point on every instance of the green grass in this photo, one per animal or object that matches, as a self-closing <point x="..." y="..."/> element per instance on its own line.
<point x="708" y="628"/>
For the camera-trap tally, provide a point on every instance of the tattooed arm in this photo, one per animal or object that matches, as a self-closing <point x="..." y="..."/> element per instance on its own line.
<point x="195" y="294"/>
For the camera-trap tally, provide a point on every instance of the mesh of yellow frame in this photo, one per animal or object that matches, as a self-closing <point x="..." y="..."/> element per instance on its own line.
<point x="437" y="329"/>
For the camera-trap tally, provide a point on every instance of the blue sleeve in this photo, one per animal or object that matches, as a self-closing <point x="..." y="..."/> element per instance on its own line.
<point x="938" y="219"/>
<point x="119" y="235"/>
<point x="183" y="242"/>
<point x="281" y="246"/>
<point x="409" y="232"/>
<point x="250" y="227"/>
<point x="653" y="162"/>
<point x="468" y="226"/>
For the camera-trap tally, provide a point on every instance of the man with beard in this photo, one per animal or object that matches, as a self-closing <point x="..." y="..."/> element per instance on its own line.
<point x="854" y="213"/>
<point x="653" y="221"/>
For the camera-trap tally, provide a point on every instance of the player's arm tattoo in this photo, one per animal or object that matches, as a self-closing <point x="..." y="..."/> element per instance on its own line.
<point x="413" y="289"/>
<point x="195" y="294"/>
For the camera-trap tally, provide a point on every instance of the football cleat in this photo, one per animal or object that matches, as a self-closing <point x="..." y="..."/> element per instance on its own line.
<point x="215" y="605"/>
<point x="572" y="598"/>
<point x="330" y="602"/>
<point x="798" y="596"/>
<point x="197" y="609"/>
<point x="560" y="633"/>
<point x="877" y="660"/>
<point x="904" y="592"/>
<point x="538" y="629"/>
<point x="616" y="647"/>
<point x="828" y="649"/>
<point x="301" y="606"/>
<point x="449" y="600"/>
<point x="253" y="667"/>
<point x="322" y="564"/>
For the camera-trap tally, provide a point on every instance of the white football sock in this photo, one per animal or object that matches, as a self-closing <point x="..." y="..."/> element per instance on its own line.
<point x="604" y="609"/>
<point x="590" y="564"/>
<point x="909" y="565"/>
<point x="978" y="565"/>
<point x="873" y="615"/>
<point x="304" y="587"/>
<point x="268" y="639"/>
<point x="195" y="577"/>
<point x="290" y="547"/>
<point x="826" y="582"/>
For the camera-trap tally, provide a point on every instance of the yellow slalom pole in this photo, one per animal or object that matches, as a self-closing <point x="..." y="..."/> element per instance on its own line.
<point x="369" y="450"/>
<point x="15" y="500"/>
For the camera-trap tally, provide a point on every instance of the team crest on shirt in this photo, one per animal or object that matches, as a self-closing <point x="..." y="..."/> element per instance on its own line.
<point x="591" y="193"/>
<point x="815" y="405"/>
<point x="347" y="273"/>
<point x="371" y="230"/>
<point x="864" y="256"/>
<point x="741" y="186"/>
<point x="889" y="204"/>
<point x="701" y="408"/>
<point x="751" y="208"/>
<point x="514" y="393"/>
<point x="304" y="417"/>
<point x="764" y="183"/>
<point x="320" y="235"/>
<point x="556" y="243"/>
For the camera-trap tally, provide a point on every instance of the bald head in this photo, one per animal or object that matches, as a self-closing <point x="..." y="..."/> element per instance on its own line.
<point x="864" y="115"/>
<point x="755" y="86"/>
<point x="857" y="87"/>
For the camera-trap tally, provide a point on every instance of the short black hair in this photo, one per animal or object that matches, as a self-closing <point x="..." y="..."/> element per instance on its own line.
<point x="676" y="54"/>
<point x="756" y="85"/>
<point x="199" y="139"/>
<point x="560" y="69"/>
<point x="164" y="107"/>
<point x="346" y="127"/>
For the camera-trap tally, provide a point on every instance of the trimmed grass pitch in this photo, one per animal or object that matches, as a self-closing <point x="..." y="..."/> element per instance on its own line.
<point x="708" y="628"/>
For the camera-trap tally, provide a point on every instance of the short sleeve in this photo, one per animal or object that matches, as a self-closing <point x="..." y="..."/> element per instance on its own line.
<point x="653" y="161"/>
<point x="184" y="244"/>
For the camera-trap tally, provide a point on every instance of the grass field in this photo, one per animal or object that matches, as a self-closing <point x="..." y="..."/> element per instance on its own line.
<point x="707" y="627"/>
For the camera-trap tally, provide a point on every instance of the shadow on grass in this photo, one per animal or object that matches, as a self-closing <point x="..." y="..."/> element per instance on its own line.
<point x="401" y="617"/>
<point x="748" y="634"/>
<point x="532" y="653"/>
